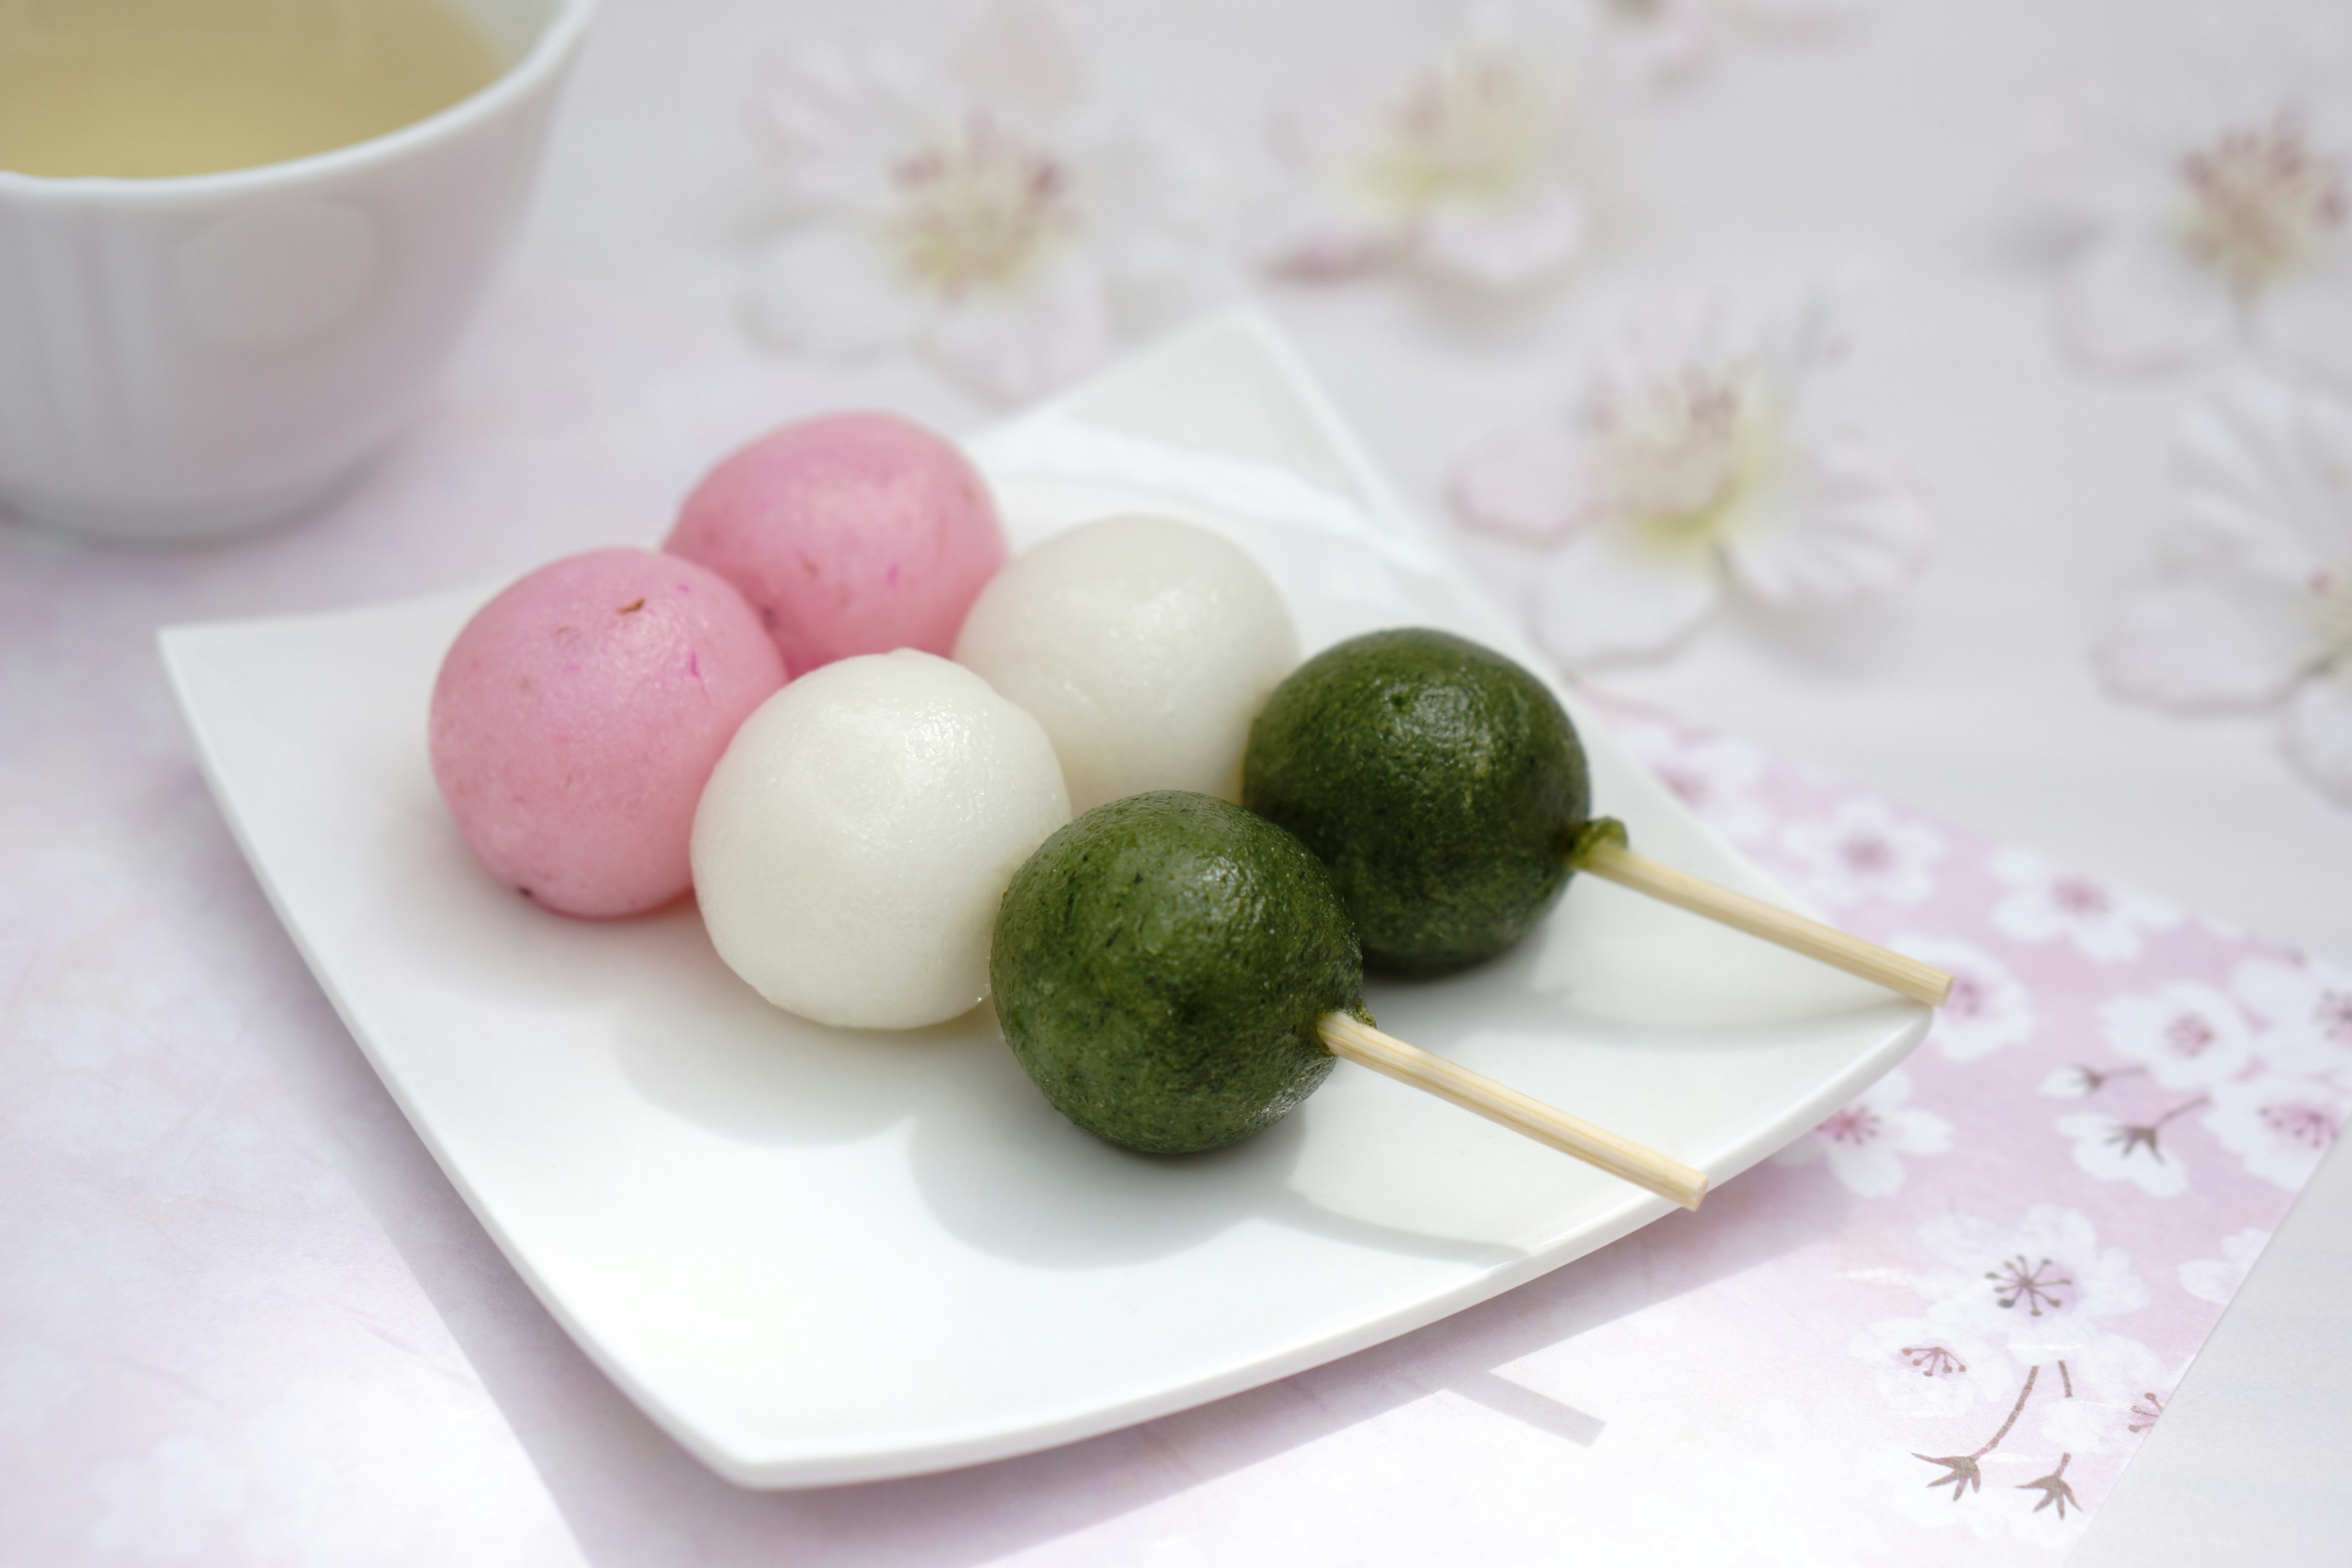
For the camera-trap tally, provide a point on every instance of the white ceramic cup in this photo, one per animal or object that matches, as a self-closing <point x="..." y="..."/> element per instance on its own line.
<point x="184" y="357"/>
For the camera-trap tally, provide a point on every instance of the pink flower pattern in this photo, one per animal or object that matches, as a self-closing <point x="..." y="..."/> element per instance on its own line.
<point x="2020" y="1291"/>
<point x="1865" y="850"/>
<point x="1866" y="1142"/>
<point x="1987" y="1009"/>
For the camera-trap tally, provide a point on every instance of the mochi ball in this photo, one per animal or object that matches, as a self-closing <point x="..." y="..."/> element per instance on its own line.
<point x="1144" y="646"/>
<point x="1162" y="967"/>
<point x="577" y="715"/>
<point x="854" y="843"/>
<point x="852" y="533"/>
<point x="1441" y="783"/>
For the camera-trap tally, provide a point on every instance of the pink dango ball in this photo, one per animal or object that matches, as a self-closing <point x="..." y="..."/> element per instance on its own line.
<point x="849" y="534"/>
<point x="578" y="715"/>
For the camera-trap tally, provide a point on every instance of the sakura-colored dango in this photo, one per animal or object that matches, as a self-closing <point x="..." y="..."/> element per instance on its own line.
<point x="852" y="533"/>
<point x="577" y="715"/>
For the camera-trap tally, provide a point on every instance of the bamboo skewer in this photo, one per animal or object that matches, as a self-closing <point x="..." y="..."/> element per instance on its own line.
<point x="1601" y="849"/>
<point x="1358" y="1042"/>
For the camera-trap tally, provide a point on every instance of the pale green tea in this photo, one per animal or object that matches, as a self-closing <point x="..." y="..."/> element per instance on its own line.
<point x="148" y="88"/>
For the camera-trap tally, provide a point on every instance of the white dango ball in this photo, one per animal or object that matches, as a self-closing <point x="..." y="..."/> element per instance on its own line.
<point x="1143" y="645"/>
<point x="853" y="844"/>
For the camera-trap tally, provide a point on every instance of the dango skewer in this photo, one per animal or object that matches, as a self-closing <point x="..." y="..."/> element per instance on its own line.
<point x="1177" y="973"/>
<point x="1447" y="791"/>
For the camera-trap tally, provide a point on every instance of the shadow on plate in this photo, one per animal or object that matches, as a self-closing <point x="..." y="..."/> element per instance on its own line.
<point x="632" y="1500"/>
<point x="999" y="1168"/>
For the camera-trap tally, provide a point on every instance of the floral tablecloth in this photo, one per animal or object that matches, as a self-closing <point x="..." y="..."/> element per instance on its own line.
<point x="243" y="1319"/>
<point x="2026" y="1233"/>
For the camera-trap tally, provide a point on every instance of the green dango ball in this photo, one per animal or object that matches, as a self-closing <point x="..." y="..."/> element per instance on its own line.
<point x="1441" y="784"/>
<point x="1160" y="964"/>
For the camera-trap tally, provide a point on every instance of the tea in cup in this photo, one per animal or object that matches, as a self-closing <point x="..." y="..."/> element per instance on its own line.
<point x="238" y="239"/>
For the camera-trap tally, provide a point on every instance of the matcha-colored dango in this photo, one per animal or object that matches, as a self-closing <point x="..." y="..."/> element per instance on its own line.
<point x="1440" y="783"/>
<point x="1177" y="973"/>
<point x="1160" y="967"/>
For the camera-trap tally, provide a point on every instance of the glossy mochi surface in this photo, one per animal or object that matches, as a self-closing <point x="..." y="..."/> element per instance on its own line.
<point x="849" y="534"/>
<point x="853" y="844"/>
<point x="1160" y="965"/>
<point x="1145" y="646"/>
<point x="1440" y="782"/>
<point x="577" y="715"/>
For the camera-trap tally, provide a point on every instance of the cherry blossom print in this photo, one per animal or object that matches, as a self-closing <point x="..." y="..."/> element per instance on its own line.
<point x="1988" y="1007"/>
<point x="2050" y="1297"/>
<point x="1986" y="1299"/>
<point x="2307" y="1005"/>
<point x="1994" y="1510"/>
<point x="2033" y="1285"/>
<point x="2134" y="1152"/>
<point x="1934" y="1360"/>
<point x="1465" y="165"/>
<point x="2080" y="1081"/>
<point x="2210" y="205"/>
<point x="975" y="203"/>
<point x="1866" y="1142"/>
<point x="2187" y="1034"/>
<point x="1865" y="851"/>
<point x="2043" y="902"/>
<point x="1926" y="1370"/>
<point x="1985" y="1491"/>
<point x="1961" y="1472"/>
<point x="2280" y="1124"/>
<point x="2043" y="1287"/>
<point x="2216" y="1280"/>
<point x="1715" y="775"/>
<point x="2052" y="1489"/>
<point x="2089" y="1410"/>
<point x="2254" y="609"/>
<point x="1690" y="464"/>
<point x="1964" y="1473"/>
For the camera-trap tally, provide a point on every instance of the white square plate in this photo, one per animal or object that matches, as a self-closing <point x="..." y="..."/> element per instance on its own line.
<point x="815" y="1257"/>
